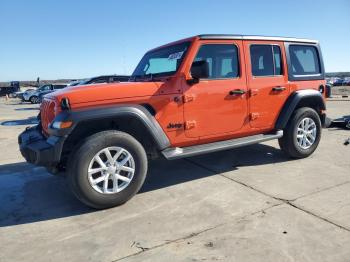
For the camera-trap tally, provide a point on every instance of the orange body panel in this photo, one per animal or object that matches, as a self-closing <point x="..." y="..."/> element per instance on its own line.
<point x="205" y="110"/>
<point x="215" y="112"/>
<point x="264" y="103"/>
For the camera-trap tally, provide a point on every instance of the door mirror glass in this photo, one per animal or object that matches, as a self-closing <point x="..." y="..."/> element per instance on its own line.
<point x="199" y="70"/>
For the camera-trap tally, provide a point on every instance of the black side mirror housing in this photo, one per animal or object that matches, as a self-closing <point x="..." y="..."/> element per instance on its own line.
<point x="199" y="70"/>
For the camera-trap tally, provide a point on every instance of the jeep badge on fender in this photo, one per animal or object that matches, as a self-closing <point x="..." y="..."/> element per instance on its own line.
<point x="174" y="125"/>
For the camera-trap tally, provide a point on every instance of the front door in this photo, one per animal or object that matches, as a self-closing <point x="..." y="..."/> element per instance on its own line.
<point x="217" y="105"/>
<point x="267" y="80"/>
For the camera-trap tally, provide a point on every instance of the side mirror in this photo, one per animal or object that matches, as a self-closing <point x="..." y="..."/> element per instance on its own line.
<point x="199" y="70"/>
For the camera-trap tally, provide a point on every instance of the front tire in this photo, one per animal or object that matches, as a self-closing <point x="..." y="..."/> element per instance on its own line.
<point x="302" y="133"/>
<point x="108" y="169"/>
<point x="34" y="99"/>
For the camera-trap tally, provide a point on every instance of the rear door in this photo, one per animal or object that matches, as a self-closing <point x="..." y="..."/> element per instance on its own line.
<point x="209" y="107"/>
<point x="267" y="79"/>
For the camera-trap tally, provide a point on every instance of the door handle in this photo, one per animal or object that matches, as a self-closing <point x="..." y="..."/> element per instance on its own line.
<point x="278" y="88"/>
<point x="237" y="92"/>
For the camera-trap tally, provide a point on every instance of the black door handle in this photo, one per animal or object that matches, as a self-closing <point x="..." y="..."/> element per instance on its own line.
<point x="278" y="88"/>
<point x="237" y="92"/>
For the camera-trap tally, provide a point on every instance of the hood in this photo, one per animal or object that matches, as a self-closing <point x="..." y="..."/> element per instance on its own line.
<point x="105" y="93"/>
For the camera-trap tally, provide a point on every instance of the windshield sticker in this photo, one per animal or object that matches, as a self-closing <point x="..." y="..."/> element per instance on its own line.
<point x="175" y="56"/>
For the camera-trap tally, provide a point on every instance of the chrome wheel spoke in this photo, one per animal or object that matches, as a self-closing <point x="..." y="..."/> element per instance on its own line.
<point x="312" y="126"/>
<point x="123" y="178"/>
<point x="126" y="168"/>
<point x="105" y="183"/>
<point x="307" y="122"/>
<point x="98" y="180"/>
<point x="99" y="161"/>
<point x="303" y="142"/>
<point x="115" y="183"/>
<point x="108" y="155"/>
<point x="118" y="154"/>
<point x="307" y="142"/>
<point x="96" y="170"/>
<point x="312" y="137"/>
<point x="123" y="162"/>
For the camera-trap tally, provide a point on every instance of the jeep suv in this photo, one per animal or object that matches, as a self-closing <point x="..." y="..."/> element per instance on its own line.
<point x="194" y="96"/>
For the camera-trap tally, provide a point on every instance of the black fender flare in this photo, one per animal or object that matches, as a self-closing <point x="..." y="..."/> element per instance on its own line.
<point x="294" y="100"/>
<point x="112" y="112"/>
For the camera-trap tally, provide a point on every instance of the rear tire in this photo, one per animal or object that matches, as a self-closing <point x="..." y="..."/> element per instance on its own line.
<point x="302" y="133"/>
<point x="116" y="185"/>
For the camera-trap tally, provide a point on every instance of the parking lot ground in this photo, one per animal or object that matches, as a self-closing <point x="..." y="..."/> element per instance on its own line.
<point x="247" y="204"/>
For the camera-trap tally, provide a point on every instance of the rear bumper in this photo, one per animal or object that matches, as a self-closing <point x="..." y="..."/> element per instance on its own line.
<point x="39" y="150"/>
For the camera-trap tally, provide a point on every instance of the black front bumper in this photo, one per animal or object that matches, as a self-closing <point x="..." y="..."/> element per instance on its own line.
<point x="39" y="150"/>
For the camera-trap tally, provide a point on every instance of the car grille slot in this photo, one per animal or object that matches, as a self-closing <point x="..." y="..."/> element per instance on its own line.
<point x="47" y="112"/>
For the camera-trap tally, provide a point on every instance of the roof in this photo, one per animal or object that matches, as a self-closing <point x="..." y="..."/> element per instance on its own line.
<point x="256" y="37"/>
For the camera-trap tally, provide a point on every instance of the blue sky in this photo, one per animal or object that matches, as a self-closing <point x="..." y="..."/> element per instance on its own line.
<point x="77" y="39"/>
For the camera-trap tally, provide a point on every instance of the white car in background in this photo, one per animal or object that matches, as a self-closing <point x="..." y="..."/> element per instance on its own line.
<point x="33" y="96"/>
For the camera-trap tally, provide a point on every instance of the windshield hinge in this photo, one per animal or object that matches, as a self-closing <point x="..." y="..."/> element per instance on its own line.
<point x="190" y="124"/>
<point x="188" y="98"/>
<point x="254" y="116"/>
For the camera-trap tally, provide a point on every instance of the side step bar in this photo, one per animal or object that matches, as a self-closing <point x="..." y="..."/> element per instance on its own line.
<point x="178" y="152"/>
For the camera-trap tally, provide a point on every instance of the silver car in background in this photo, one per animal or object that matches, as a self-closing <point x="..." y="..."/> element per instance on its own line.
<point x="33" y="96"/>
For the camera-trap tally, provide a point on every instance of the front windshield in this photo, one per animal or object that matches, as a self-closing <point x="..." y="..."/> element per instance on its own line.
<point x="161" y="62"/>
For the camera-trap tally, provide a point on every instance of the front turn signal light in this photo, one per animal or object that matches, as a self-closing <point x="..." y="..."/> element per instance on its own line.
<point x="61" y="124"/>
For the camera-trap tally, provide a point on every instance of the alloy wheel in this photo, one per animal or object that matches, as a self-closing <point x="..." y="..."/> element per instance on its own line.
<point x="111" y="170"/>
<point x="306" y="133"/>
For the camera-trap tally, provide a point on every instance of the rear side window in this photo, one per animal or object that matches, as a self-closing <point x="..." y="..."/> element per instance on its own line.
<point x="266" y="60"/>
<point x="277" y="57"/>
<point x="222" y="59"/>
<point x="304" y="60"/>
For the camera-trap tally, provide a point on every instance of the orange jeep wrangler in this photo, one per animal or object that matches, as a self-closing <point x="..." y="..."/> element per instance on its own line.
<point x="194" y="96"/>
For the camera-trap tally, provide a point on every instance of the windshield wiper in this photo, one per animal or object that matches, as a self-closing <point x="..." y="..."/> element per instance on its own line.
<point x="150" y="77"/>
<point x="147" y="77"/>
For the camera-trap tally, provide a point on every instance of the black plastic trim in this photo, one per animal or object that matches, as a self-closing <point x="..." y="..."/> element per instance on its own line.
<point x="292" y="102"/>
<point x="38" y="150"/>
<point x="255" y="37"/>
<point x="98" y="113"/>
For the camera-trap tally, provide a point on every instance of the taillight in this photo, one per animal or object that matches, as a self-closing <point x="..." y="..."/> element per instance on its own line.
<point x="321" y="89"/>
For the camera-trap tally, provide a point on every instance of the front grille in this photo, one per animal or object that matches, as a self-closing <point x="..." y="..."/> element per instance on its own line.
<point x="47" y="113"/>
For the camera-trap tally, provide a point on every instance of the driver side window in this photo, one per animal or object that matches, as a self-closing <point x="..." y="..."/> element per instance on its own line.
<point x="222" y="60"/>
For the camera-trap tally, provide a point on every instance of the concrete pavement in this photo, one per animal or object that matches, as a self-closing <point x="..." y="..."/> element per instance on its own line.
<point x="248" y="204"/>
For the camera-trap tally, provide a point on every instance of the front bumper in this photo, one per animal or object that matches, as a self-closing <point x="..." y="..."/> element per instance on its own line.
<point x="39" y="150"/>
